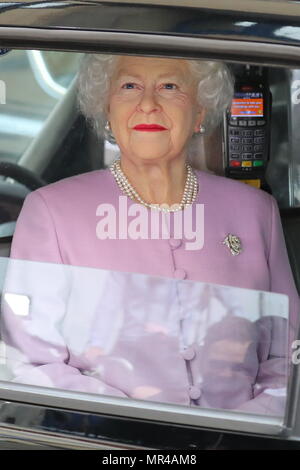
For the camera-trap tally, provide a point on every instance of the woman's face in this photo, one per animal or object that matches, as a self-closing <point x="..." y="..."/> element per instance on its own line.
<point x="153" y="91"/>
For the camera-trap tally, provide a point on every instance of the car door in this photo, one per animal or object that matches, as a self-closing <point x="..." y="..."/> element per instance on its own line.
<point x="48" y="137"/>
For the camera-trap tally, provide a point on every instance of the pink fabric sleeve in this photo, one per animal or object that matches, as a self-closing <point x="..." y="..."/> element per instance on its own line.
<point x="274" y="347"/>
<point x="35" y="237"/>
<point x="36" y="353"/>
<point x="270" y="387"/>
<point x="281" y="276"/>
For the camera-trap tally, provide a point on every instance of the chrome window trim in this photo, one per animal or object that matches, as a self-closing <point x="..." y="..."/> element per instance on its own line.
<point x="151" y="45"/>
<point x="13" y="434"/>
<point x="140" y="409"/>
<point x="270" y="21"/>
<point x="288" y="8"/>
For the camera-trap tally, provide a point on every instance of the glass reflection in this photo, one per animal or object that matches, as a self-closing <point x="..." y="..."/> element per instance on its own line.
<point x="144" y="337"/>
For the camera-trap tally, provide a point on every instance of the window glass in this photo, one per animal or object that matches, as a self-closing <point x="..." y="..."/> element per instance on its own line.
<point x="144" y="337"/>
<point x="33" y="82"/>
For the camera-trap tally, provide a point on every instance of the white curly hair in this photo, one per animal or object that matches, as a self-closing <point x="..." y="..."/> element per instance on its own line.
<point x="215" y="92"/>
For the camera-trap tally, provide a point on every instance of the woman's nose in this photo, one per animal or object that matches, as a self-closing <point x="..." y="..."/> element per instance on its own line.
<point x="148" y="102"/>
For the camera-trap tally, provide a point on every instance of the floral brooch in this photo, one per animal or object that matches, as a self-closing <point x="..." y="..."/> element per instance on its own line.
<point x="233" y="243"/>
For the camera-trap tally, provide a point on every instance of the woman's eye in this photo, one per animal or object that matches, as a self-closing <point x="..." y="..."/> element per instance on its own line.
<point x="169" y="85"/>
<point x="130" y="84"/>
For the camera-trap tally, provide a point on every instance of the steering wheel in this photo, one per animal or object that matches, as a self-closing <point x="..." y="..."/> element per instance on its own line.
<point x="12" y="195"/>
<point x="22" y="175"/>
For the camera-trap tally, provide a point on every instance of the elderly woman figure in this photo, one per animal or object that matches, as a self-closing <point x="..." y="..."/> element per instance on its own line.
<point x="156" y="110"/>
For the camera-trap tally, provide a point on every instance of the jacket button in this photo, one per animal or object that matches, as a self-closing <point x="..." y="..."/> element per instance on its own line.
<point x="194" y="392"/>
<point x="175" y="243"/>
<point x="180" y="274"/>
<point x="189" y="353"/>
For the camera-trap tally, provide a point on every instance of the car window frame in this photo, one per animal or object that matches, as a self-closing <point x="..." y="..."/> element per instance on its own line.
<point x="155" y="45"/>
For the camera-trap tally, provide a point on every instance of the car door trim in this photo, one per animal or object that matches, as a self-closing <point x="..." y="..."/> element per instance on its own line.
<point x="268" y="54"/>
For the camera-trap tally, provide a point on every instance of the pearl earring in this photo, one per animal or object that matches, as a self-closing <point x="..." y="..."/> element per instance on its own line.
<point x="108" y="133"/>
<point x="201" y="130"/>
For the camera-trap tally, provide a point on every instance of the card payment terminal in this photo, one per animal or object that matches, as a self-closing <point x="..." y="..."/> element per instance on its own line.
<point x="247" y="129"/>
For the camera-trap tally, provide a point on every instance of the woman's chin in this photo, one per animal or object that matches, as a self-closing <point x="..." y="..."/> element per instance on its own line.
<point x="149" y="156"/>
<point x="150" y="151"/>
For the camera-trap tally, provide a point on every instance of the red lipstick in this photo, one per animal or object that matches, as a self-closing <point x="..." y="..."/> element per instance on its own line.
<point x="149" y="127"/>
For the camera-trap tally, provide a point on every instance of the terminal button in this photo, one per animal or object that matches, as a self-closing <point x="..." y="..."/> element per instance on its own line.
<point x="247" y="140"/>
<point x="246" y="156"/>
<point x="234" y="132"/>
<point x="235" y="163"/>
<point x="235" y="147"/>
<point x="235" y="140"/>
<point x="248" y="133"/>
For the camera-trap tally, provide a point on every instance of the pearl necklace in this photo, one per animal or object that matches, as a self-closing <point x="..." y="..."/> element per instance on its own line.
<point x="189" y="193"/>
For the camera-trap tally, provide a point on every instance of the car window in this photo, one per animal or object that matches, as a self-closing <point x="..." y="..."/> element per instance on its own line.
<point x="34" y="83"/>
<point x="81" y="316"/>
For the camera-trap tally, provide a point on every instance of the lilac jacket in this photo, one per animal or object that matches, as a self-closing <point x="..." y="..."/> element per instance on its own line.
<point x="60" y="224"/>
